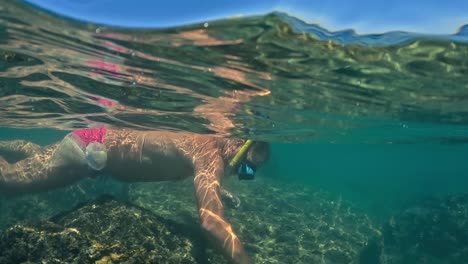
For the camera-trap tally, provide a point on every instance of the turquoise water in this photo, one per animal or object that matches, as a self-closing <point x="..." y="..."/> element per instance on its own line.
<point x="368" y="133"/>
<point x="381" y="178"/>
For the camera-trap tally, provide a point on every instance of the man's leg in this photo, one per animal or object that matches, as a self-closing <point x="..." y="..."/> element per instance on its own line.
<point x="16" y="150"/>
<point x="52" y="167"/>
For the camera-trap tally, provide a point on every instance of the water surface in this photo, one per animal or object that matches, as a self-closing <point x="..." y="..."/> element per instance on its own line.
<point x="376" y="121"/>
<point x="317" y="85"/>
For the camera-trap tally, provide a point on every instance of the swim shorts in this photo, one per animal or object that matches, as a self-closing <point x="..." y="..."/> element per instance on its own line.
<point x="91" y="140"/>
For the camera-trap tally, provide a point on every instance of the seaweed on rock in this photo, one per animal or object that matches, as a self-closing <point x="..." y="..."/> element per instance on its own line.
<point x="101" y="231"/>
<point x="435" y="231"/>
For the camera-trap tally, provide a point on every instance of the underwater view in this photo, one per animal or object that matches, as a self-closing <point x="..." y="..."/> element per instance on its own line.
<point x="248" y="139"/>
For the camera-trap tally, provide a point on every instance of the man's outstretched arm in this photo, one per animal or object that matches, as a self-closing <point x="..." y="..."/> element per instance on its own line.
<point x="207" y="188"/>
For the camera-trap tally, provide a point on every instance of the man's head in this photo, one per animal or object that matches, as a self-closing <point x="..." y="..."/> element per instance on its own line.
<point x="255" y="157"/>
<point x="259" y="153"/>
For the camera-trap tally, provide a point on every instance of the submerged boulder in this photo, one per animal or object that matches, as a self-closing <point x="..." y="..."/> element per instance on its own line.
<point x="435" y="231"/>
<point x="102" y="231"/>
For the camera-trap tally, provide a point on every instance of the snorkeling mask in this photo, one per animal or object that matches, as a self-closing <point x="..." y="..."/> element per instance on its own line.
<point x="245" y="169"/>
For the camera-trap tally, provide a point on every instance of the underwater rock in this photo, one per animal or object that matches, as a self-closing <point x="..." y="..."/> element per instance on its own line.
<point x="102" y="231"/>
<point x="32" y="208"/>
<point x="436" y="231"/>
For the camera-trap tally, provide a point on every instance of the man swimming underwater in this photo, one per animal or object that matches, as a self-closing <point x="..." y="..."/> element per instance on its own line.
<point x="136" y="156"/>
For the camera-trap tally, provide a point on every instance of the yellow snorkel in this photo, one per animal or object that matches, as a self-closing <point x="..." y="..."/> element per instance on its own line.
<point x="239" y="155"/>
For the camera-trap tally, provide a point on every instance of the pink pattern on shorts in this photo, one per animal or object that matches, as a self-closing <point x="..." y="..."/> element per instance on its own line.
<point x="89" y="135"/>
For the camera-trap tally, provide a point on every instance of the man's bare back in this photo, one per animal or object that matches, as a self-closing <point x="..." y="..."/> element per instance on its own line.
<point x="132" y="156"/>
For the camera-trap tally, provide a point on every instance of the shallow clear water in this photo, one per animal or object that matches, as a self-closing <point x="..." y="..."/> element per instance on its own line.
<point x="379" y="121"/>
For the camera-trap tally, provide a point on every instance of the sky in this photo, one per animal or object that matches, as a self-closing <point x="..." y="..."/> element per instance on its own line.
<point x="364" y="16"/>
